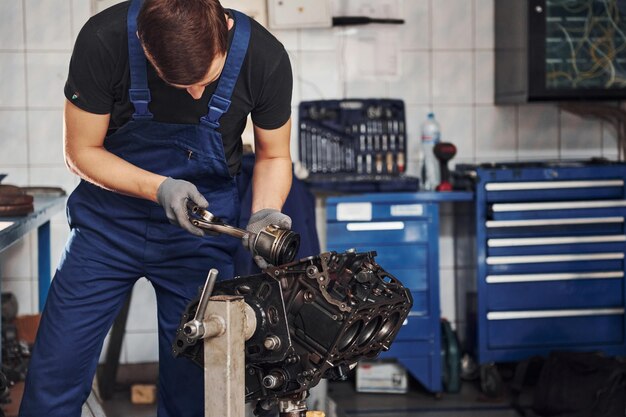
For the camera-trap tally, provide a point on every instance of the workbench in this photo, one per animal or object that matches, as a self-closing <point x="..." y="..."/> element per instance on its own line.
<point x="12" y="229"/>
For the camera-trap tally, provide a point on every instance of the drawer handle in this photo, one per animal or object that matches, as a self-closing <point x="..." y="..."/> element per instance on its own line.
<point x="564" y="240"/>
<point x="552" y="222"/>
<point x="374" y="226"/>
<point x="560" y="205"/>
<point x="506" y="279"/>
<point x="532" y="259"/>
<point x="541" y="314"/>
<point x="549" y="185"/>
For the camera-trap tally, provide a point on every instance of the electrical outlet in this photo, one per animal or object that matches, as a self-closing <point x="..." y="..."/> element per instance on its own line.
<point x="294" y="14"/>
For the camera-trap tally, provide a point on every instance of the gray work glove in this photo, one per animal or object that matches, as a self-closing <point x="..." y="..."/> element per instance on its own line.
<point x="259" y="221"/>
<point x="173" y="195"/>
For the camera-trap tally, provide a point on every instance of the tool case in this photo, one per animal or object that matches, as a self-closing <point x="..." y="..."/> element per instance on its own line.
<point x="355" y="145"/>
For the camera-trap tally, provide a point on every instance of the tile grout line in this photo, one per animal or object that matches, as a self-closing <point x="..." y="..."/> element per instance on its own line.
<point x="33" y="279"/>
<point x="71" y="27"/>
<point x="473" y="69"/>
<point x="431" y="58"/>
<point x="26" y="100"/>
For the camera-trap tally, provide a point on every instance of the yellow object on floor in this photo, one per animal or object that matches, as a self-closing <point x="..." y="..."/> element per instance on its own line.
<point x="143" y="394"/>
<point x="315" y="414"/>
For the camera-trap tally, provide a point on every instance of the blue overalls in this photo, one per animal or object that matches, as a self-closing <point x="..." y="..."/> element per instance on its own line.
<point x="116" y="239"/>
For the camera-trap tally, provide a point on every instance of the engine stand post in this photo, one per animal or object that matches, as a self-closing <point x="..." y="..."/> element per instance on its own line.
<point x="225" y="326"/>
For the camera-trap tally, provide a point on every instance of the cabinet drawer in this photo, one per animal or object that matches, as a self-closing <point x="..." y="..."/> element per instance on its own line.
<point x="410" y="349"/>
<point x="402" y="207"/>
<point x="413" y="279"/>
<point x="421" y="304"/>
<point x="573" y="262"/>
<point x="378" y="232"/>
<point x="567" y="293"/>
<point x="556" y="245"/>
<point x="416" y="328"/>
<point x="555" y="328"/>
<point x="557" y="209"/>
<point x="554" y="190"/>
<point x="542" y="227"/>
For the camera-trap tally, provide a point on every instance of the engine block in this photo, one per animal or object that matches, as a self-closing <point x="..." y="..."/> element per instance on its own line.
<point x="316" y="318"/>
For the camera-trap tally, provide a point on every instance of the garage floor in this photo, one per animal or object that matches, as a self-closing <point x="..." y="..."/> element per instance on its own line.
<point x="468" y="403"/>
<point x="120" y="406"/>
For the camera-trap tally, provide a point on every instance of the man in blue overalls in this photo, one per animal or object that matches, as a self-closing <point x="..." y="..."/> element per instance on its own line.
<point x="157" y="99"/>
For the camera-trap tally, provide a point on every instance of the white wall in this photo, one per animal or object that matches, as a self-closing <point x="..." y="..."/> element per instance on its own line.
<point x="446" y="56"/>
<point x="36" y="38"/>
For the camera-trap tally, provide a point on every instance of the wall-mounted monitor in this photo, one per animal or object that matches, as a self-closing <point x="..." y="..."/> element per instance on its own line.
<point x="549" y="50"/>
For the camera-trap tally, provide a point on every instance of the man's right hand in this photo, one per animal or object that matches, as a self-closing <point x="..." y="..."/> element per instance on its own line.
<point x="173" y="195"/>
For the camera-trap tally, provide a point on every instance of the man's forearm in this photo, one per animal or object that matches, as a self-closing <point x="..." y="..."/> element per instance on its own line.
<point x="102" y="168"/>
<point x="271" y="183"/>
<point x="85" y="155"/>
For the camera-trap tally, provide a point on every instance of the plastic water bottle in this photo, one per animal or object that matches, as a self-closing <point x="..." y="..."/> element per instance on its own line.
<point x="430" y="167"/>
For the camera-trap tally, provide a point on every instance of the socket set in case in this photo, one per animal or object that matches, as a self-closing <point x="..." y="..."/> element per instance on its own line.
<point x="355" y="141"/>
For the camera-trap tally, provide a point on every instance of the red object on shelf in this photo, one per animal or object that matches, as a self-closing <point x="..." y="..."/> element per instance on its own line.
<point x="444" y="186"/>
<point x="444" y="152"/>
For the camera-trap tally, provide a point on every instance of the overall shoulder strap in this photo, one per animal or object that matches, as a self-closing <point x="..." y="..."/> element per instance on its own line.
<point x="138" y="92"/>
<point x="220" y="101"/>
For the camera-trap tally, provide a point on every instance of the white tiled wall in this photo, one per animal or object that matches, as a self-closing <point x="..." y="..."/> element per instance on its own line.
<point x="36" y="38"/>
<point x="445" y="55"/>
<point x="446" y="60"/>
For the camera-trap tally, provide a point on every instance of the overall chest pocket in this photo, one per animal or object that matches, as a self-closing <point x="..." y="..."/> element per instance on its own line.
<point x="175" y="151"/>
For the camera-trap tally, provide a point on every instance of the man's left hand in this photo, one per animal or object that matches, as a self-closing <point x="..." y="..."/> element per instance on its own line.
<point x="258" y="222"/>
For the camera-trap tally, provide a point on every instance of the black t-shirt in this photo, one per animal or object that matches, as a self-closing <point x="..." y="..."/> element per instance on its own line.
<point x="99" y="80"/>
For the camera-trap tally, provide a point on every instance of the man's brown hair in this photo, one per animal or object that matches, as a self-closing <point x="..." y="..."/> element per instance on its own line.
<point x="182" y="37"/>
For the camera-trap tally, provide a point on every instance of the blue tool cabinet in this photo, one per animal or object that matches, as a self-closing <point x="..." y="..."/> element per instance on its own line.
<point x="404" y="230"/>
<point x="549" y="247"/>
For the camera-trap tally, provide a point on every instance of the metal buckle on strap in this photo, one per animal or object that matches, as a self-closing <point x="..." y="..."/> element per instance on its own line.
<point x="140" y="97"/>
<point x="217" y="107"/>
<point x="207" y="121"/>
<point x="219" y="103"/>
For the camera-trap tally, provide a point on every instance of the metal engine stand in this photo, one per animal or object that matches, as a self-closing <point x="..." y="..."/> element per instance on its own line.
<point x="225" y="322"/>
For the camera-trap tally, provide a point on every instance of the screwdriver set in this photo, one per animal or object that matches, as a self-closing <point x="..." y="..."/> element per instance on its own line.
<point x="355" y="140"/>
